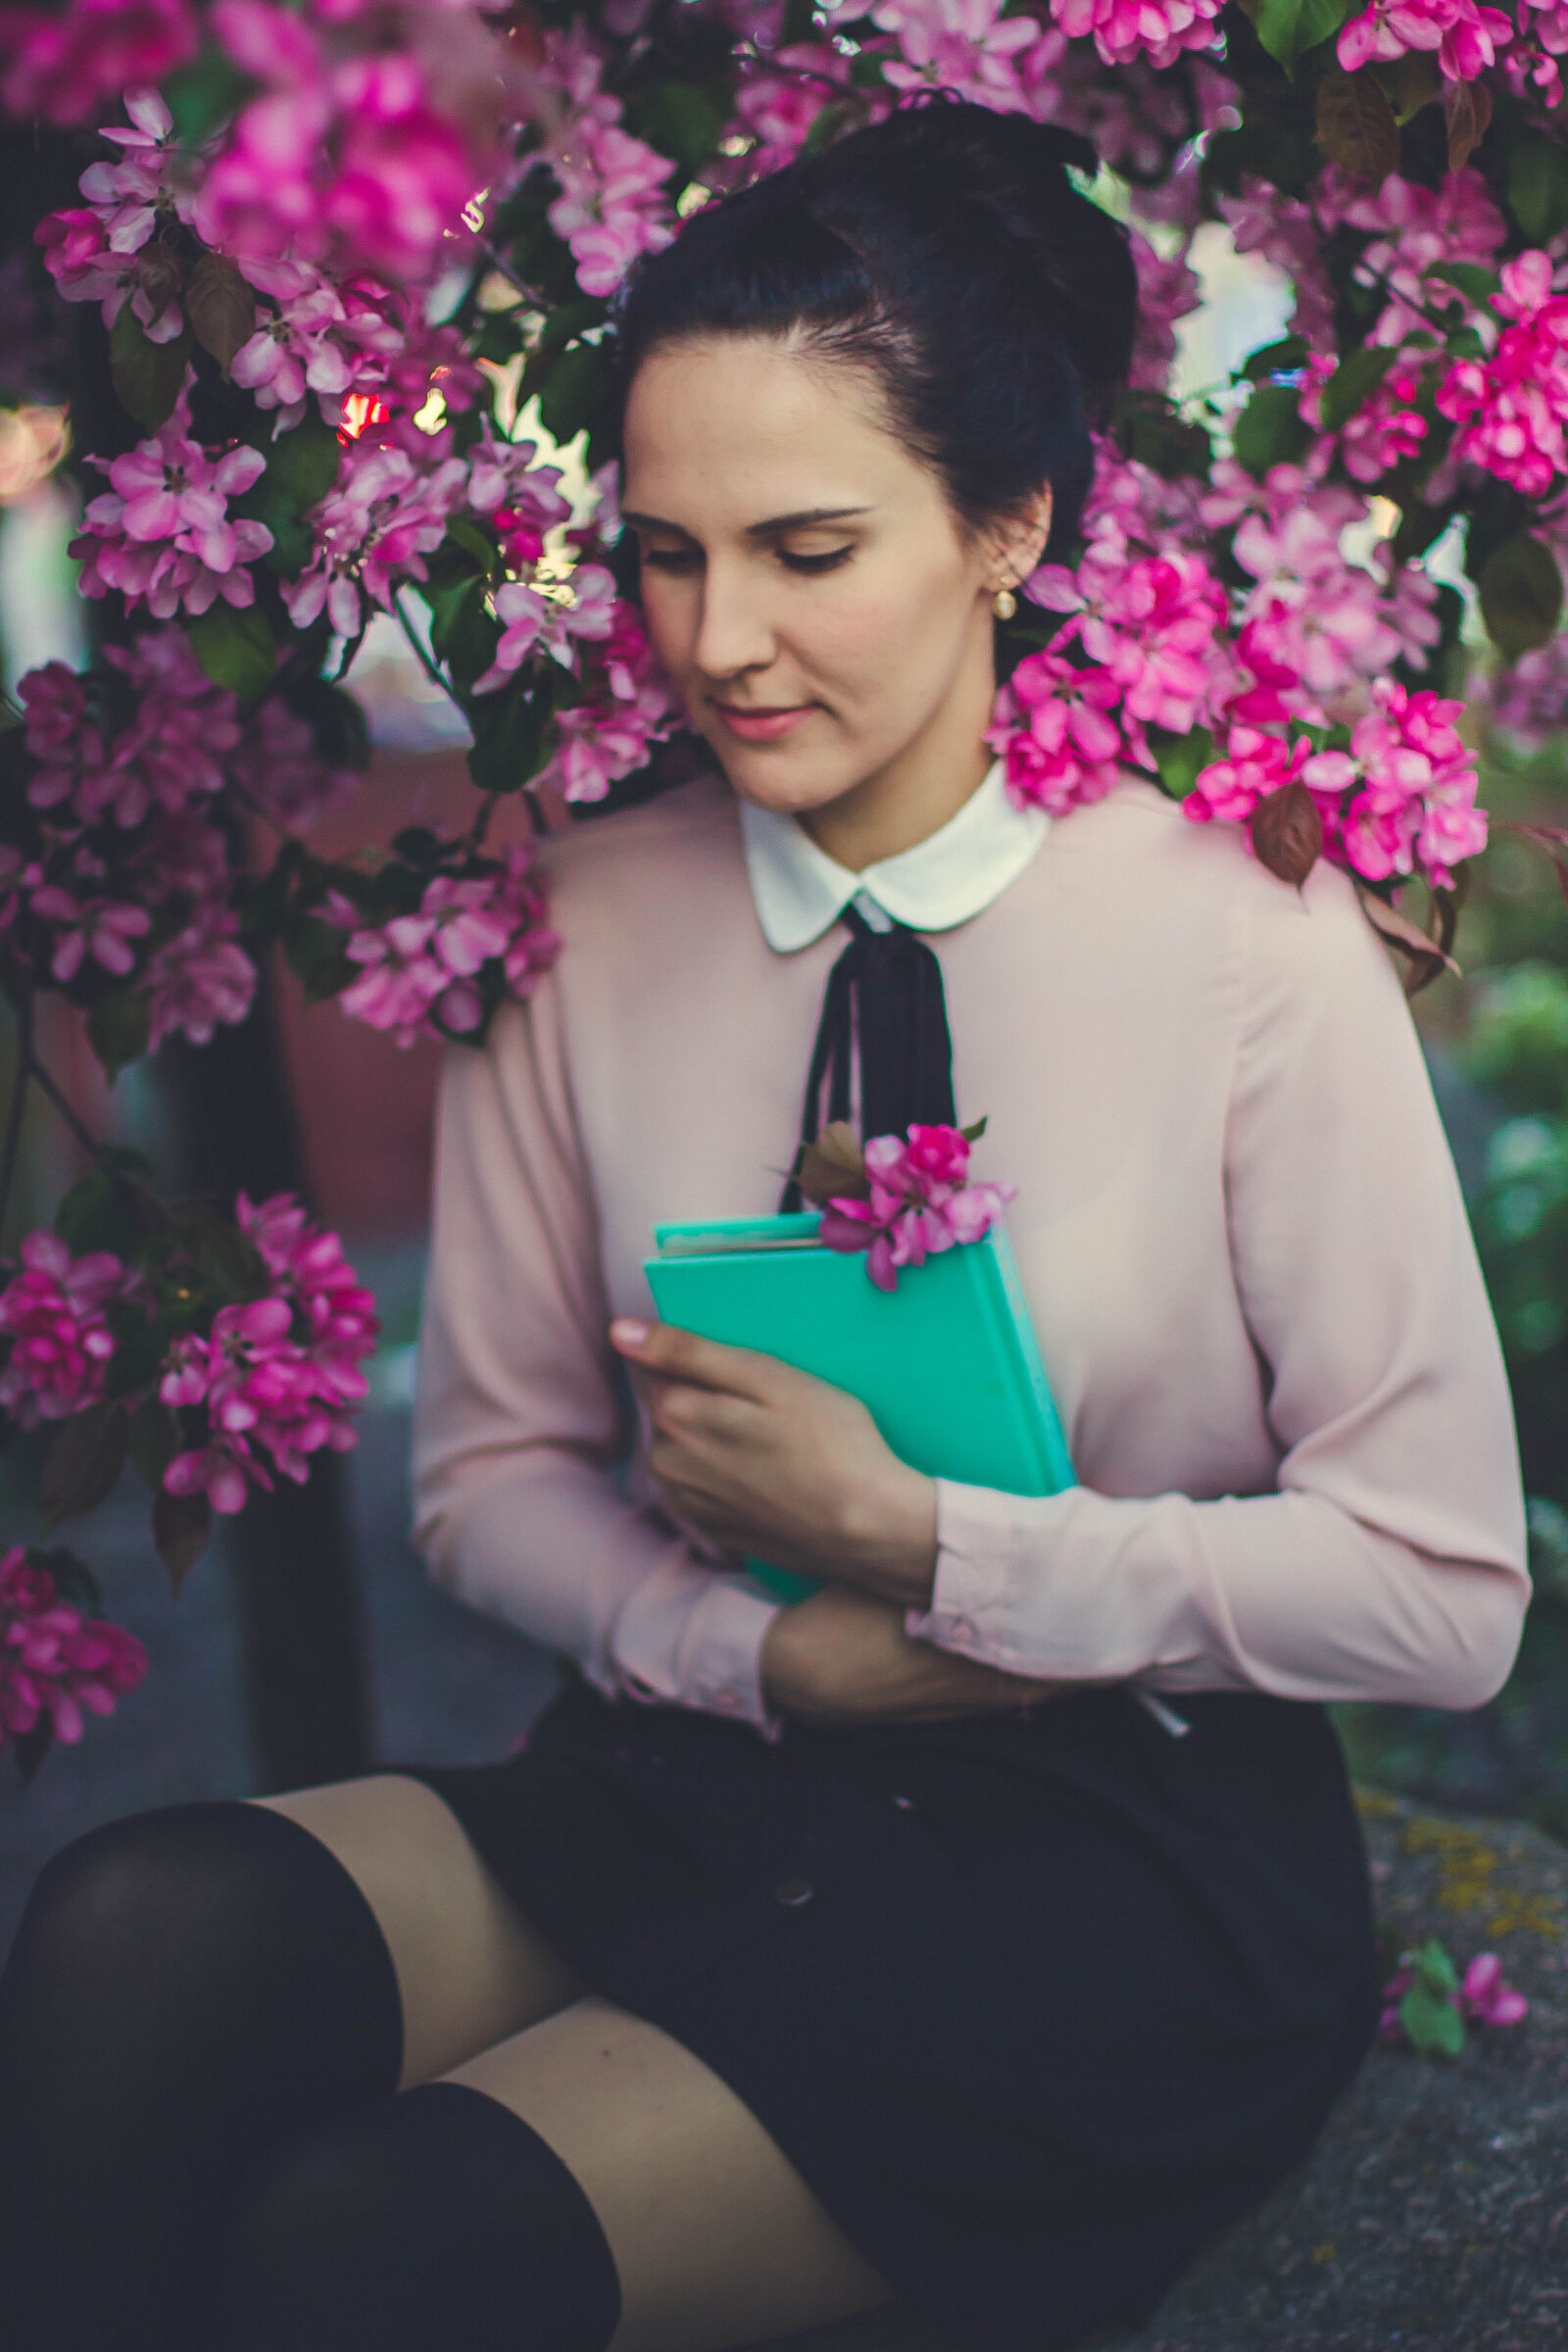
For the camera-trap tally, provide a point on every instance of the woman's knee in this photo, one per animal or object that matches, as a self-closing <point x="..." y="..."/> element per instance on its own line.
<point x="201" y="1919"/>
<point x="432" y="2222"/>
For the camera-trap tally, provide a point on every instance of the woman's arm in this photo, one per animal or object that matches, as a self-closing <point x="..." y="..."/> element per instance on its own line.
<point x="1390" y="1563"/>
<point x="523" y="1416"/>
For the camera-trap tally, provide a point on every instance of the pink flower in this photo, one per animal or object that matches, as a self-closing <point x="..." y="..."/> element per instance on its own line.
<point x="63" y="67"/>
<point x="532" y="621"/>
<point x="162" y="534"/>
<point x="920" y="1204"/>
<point x="612" y="205"/>
<point x="1255" y="764"/>
<point x="54" y="1662"/>
<point x="422" y="971"/>
<point x="199" y="978"/>
<point x="1053" y="723"/>
<point x="54" y="1312"/>
<point x="222" y="1473"/>
<point x="1416" y="808"/>
<point x="373" y="529"/>
<point x="963" y="45"/>
<point x="1465" y="36"/>
<point x="278" y="768"/>
<point x="1167" y="290"/>
<point x="780" y="99"/>
<point x="1482" y="1995"/>
<point x="295" y="351"/>
<point x="1514" y="406"/>
<point x="99" y="929"/>
<point x="1126" y="30"/>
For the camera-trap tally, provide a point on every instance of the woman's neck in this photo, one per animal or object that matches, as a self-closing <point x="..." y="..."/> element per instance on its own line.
<point x="917" y="793"/>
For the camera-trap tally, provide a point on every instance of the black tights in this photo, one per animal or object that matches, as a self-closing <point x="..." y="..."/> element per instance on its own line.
<point x="201" y="2146"/>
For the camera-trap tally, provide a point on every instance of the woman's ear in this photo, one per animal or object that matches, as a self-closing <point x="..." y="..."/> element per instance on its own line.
<point x="1020" y="541"/>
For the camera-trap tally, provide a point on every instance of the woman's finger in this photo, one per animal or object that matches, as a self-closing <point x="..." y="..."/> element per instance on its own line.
<point x="664" y="1348"/>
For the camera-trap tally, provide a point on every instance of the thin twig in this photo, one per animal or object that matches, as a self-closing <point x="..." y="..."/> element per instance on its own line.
<point x="78" y="1127"/>
<point x="481" y="823"/>
<point x="10" y="1153"/>
<point x="426" y="661"/>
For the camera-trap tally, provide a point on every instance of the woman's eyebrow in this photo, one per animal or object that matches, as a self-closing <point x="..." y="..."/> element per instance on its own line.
<point x="754" y="530"/>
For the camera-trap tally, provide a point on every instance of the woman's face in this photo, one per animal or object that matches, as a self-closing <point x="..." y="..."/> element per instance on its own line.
<point x="804" y="582"/>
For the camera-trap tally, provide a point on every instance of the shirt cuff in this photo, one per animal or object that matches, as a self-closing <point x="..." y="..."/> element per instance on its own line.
<point x="700" y="1649"/>
<point x="969" y="1593"/>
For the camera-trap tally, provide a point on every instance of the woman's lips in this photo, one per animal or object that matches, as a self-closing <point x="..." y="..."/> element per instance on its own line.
<point x="763" y="726"/>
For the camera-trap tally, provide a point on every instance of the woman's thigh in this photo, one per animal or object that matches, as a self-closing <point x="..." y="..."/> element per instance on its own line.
<point x="716" y="2237"/>
<point x="470" y="1970"/>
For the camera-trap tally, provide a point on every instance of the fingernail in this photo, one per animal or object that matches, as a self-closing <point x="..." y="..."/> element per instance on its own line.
<point x="628" y="1331"/>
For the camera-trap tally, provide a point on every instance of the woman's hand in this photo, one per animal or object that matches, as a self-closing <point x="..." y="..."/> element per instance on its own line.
<point x="845" y="1657"/>
<point x="762" y="1458"/>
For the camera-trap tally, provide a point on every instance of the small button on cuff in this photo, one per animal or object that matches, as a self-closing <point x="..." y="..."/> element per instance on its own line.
<point x="793" y="1892"/>
<point x="728" y="1701"/>
<point x="961" y="1629"/>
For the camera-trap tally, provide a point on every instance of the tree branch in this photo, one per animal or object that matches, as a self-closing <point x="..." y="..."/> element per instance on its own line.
<point x="15" y="1110"/>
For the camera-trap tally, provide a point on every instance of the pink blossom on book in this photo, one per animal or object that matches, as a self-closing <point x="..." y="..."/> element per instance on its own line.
<point x="919" y="1202"/>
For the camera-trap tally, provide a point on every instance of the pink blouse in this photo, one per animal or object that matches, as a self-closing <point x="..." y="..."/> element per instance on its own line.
<point x="1237" y="1227"/>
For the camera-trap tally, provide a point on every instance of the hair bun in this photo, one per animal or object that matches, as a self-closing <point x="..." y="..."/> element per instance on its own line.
<point x="946" y="159"/>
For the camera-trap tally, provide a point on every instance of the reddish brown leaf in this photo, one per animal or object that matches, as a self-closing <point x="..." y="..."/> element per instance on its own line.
<point x="1287" y="833"/>
<point x="181" y="1524"/>
<point x="1467" y="110"/>
<point x="833" y="1168"/>
<point x="1356" y="127"/>
<point x="159" y="277"/>
<point x="1413" y="82"/>
<point x="86" y="1456"/>
<point x="1427" y="958"/>
<point x="221" y="308"/>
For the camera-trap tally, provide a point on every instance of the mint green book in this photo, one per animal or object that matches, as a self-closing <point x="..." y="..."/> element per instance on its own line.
<point x="948" y="1363"/>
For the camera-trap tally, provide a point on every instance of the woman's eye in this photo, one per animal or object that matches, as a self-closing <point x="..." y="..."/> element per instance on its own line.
<point x="828" y="562"/>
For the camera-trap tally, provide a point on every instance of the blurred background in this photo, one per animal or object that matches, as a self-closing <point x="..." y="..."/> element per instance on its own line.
<point x="307" y="1643"/>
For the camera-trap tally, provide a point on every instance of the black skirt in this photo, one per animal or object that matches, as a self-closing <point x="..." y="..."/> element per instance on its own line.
<point x="1036" y="2002"/>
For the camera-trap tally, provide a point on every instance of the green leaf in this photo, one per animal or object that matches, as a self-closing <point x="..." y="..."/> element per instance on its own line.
<point x="221" y="308"/>
<point x="464" y="632"/>
<point x="1354" y="380"/>
<point x="118" y="1026"/>
<point x="73" y="1580"/>
<point x="1270" y="430"/>
<point x="304" y="464"/>
<point x="97" y="1213"/>
<point x="154" y="1441"/>
<point x="1288" y="353"/>
<point x="1521" y="595"/>
<point x="1468" y="278"/>
<point x="1537" y="185"/>
<point x="226" y="1258"/>
<point x="682" y="121"/>
<point x="1180" y="759"/>
<point x="575" y="390"/>
<point x="204" y="94"/>
<point x="1434" y="1968"/>
<point x="182" y="1525"/>
<point x="1287" y="29"/>
<point x="507" y="738"/>
<point x="86" y="1456"/>
<point x="1432" y="2023"/>
<point x="147" y="376"/>
<point x="235" y="648"/>
<point x="461" y="532"/>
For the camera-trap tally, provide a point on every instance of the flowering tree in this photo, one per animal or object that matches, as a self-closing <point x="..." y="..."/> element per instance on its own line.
<point x="335" y="251"/>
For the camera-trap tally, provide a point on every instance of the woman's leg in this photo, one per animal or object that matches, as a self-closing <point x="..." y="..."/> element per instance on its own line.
<point x="191" y="1986"/>
<point x="587" y="2184"/>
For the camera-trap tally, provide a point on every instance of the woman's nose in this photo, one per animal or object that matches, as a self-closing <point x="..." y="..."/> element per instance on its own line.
<point x="735" y="632"/>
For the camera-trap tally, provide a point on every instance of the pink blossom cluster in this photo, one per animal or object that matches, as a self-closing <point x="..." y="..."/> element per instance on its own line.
<point x="1513" y="406"/>
<point x="162" y="534"/>
<point x="1285" y="232"/>
<point x="169" y="753"/>
<point x="279" y="1375"/>
<point x="1465" y="35"/>
<point x="1412" y="229"/>
<point x="279" y="769"/>
<point x="1314" y="613"/>
<point x="1126" y="31"/>
<point x="375" y="527"/>
<point x="630" y="706"/>
<point x="1167" y="291"/>
<point x="421" y="972"/>
<point x="1400" y="800"/>
<point x="778" y="102"/>
<point x="613" y="204"/>
<point x="1384" y="431"/>
<point x="921" y="1203"/>
<point x="969" y="46"/>
<point x="535" y="619"/>
<point x="104" y="251"/>
<point x="1482" y="1995"/>
<point x="53" y="1314"/>
<point x="65" y="65"/>
<point x="1529" y="699"/>
<point x="54" y="1662"/>
<point x="371" y="130"/>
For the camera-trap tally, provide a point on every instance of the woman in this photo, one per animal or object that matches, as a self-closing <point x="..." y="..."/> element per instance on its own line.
<point x="991" y="1927"/>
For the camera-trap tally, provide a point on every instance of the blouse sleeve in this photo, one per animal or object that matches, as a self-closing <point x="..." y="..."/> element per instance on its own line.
<point x="1388" y="1562"/>
<point x="523" y="1419"/>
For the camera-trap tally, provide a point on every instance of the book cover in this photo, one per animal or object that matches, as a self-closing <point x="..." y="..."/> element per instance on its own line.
<point x="948" y="1364"/>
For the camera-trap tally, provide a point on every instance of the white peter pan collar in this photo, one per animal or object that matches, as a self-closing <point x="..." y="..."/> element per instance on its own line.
<point x="800" y="891"/>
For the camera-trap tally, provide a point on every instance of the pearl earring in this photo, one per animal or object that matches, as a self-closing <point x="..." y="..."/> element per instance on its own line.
<point x="1005" y="603"/>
